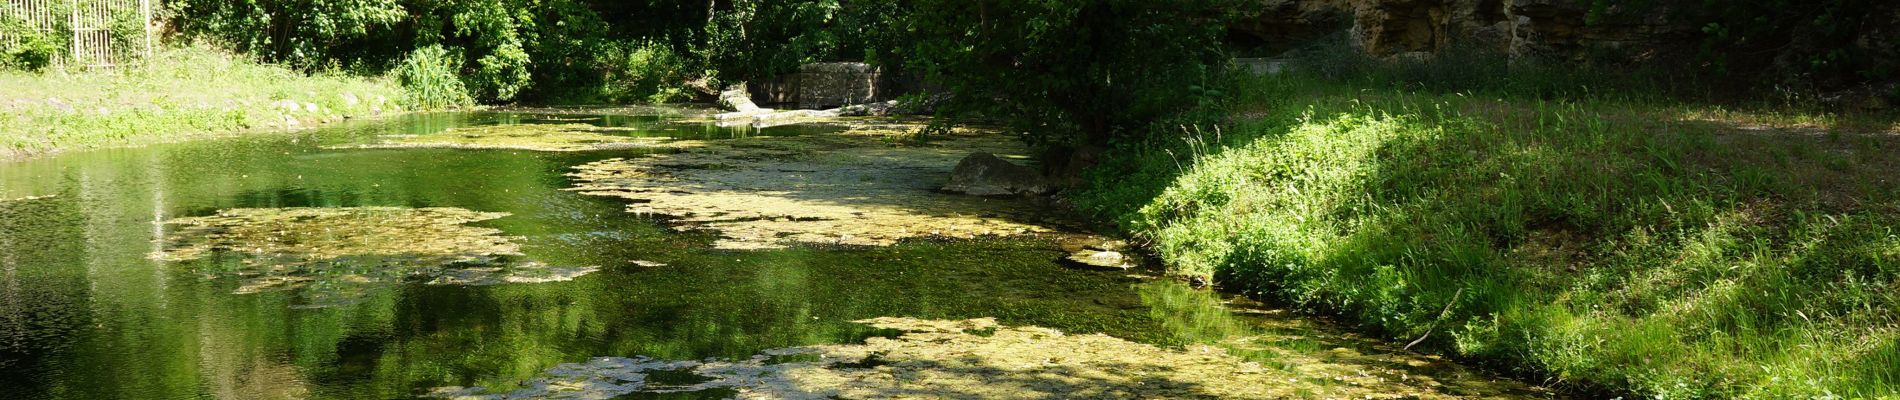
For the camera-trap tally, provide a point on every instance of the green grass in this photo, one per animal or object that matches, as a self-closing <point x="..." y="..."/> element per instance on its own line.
<point x="183" y="93"/>
<point x="1607" y="240"/>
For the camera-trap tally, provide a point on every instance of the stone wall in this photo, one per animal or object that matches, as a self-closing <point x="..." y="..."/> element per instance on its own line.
<point x="1399" y="27"/>
<point x="783" y="90"/>
<point x="831" y="85"/>
<point x="828" y="85"/>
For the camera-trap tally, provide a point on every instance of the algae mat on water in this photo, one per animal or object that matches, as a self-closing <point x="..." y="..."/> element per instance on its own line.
<point x="533" y="137"/>
<point x="853" y="188"/>
<point x="966" y="359"/>
<point x="332" y="255"/>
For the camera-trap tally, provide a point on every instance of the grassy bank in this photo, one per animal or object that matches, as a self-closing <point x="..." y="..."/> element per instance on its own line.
<point x="1606" y="240"/>
<point x="182" y="93"/>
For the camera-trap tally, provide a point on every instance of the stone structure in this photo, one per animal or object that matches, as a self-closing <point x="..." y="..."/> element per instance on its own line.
<point x="1400" y="27"/>
<point x="829" y="85"/>
<point x="823" y="86"/>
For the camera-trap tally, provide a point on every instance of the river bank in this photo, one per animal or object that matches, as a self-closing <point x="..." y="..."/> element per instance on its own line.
<point x="183" y="93"/>
<point x="1611" y="243"/>
<point x="216" y="263"/>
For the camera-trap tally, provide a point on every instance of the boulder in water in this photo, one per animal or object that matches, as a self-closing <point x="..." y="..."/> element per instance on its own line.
<point x="1101" y="259"/>
<point x="983" y="174"/>
<point x="737" y="99"/>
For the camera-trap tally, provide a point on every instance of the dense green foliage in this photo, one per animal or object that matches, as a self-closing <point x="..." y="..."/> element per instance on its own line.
<point x="1071" y="73"/>
<point x="1829" y="42"/>
<point x="1777" y="45"/>
<point x="549" y="50"/>
<point x="431" y="76"/>
<point x="1604" y="239"/>
<point x="29" y="50"/>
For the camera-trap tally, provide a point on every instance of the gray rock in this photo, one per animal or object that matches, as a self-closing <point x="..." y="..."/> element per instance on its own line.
<point x="737" y="99"/>
<point x="877" y="109"/>
<point x="983" y="174"/>
<point x="1101" y="259"/>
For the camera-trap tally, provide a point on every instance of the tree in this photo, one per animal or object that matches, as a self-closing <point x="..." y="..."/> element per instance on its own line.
<point x="1069" y="74"/>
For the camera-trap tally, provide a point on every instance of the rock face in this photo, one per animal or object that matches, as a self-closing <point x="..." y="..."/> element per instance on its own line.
<point x="1296" y="21"/>
<point x="828" y="85"/>
<point x="983" y="174"/>
<point x="1400" y="27"/>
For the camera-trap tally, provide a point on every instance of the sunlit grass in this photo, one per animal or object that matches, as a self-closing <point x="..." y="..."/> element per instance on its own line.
<point x="1608" y="241"/>
<point x="181" y="93"/>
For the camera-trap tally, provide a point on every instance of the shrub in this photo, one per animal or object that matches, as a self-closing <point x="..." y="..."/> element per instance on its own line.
<point x="432" y="76"/>
<point x="1072" y="73"/>
<point x="649" y="71"/>
<point x="30" y="50"/>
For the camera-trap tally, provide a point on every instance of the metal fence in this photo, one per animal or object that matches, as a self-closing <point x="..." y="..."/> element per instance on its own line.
<point x="90" y="33"/>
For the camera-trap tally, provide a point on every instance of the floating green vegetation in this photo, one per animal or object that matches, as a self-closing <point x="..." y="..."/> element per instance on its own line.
<point x="855" y="188"/>
<point x="25" y="199"/>
<point x="975" y="358"/>
<point x="333" y="255"/>
<point x="534" y="137"/>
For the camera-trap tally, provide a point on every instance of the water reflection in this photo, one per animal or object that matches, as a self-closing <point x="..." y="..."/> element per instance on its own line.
<point x="85" y="314"/>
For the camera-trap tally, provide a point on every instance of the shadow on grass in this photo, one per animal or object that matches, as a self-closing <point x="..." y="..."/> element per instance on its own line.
<point x="1666" y="257"/>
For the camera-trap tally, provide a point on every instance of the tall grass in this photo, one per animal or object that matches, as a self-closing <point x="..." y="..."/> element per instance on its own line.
<point x="1608" y="240"/>
<point x="433" y="78"/>
<point x="181" y="93"/>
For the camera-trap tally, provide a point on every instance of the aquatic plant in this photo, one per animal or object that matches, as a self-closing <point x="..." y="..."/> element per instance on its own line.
<point x="333" y="255"/>
<point x="844" y="189"/>
<point x="975" y="358"/>
<point x="536" y="137"/>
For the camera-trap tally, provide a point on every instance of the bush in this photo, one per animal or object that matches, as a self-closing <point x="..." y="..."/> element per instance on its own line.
<point x="649" y="72"/>
<point x="31" y="50"/>
<point x="1072" y="73"/>
<point x="432" y="77"/>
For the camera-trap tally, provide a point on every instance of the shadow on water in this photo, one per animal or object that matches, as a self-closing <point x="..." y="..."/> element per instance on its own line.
<point x="86" y="313"/>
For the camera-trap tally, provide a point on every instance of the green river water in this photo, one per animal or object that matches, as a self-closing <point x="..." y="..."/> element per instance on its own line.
<point x="87" y="313"/>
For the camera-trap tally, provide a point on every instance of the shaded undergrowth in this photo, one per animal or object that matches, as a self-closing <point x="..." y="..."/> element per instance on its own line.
<point x="1607" y="241"/>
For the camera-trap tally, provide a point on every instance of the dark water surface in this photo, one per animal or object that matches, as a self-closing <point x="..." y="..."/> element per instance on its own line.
<point x="86" y="314"/>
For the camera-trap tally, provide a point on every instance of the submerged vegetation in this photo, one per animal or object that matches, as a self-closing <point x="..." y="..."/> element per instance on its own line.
<point x="976" y="358"/>
<point x="333" y="255"/>
<point x="537" y="137"/>
<point x="854" y="188"/>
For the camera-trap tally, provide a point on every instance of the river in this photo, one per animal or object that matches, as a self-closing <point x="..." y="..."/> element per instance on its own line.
<point x="89" y="311"/>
